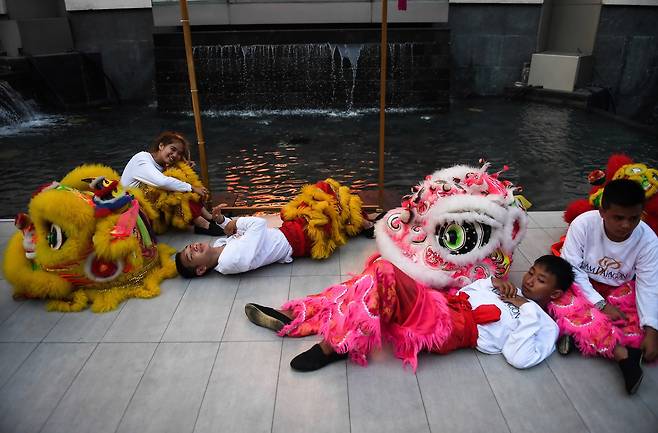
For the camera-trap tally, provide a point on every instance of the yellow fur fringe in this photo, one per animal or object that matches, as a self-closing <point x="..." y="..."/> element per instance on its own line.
<point x="173" y="207"/>
<point x="319" y="209"/>
<point x="107" y="300"/>
<point x="88" y="171"/>
<point x="27" y="281"/>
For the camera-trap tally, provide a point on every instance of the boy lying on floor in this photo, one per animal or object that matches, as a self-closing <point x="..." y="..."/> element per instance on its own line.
<point x="316" y="222"/>
<point x="383" y="303"/>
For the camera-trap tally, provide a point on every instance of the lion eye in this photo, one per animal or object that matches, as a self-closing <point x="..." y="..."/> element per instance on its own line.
<point x="462" y="238"/>
<point x="56" y="237"/>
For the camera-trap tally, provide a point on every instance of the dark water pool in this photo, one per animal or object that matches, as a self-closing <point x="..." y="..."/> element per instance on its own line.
<point x="265" y="157"/>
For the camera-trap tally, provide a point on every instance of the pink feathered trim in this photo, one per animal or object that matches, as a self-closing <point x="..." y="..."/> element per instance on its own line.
<point x="354" y="316"/>
<point x="408" y="342"/>
<point x="591" y="329"/>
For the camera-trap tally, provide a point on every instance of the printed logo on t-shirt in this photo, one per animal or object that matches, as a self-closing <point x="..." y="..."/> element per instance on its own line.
<point x="607" y="268"/>
<point x="513" y="309"/>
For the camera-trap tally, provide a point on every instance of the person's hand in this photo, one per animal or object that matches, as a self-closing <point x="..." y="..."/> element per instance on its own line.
<point x="231" y="227"/>
<point x="191" y="163"/>
<point x="515" y="300"/>
<point x="506" y="288"/>
<point x="217" y="213"/>
<point x="201" y="190"/>
<point x="650" y="344"/>
<point x="613" y="313"/>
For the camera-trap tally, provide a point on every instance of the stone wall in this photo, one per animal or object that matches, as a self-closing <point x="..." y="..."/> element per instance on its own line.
<point x="124" y="39"/>
<point x="489" y="44"/>
<point x="626" y="60"/>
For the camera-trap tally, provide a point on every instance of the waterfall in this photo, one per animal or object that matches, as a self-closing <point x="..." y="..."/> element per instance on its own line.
<point x="13" y="108"/>
<point x="279" y="76"/>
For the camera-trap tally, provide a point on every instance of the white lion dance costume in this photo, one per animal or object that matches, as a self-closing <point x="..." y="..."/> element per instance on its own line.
<point x="86" y="241"/>
<point x="460" y="224"/>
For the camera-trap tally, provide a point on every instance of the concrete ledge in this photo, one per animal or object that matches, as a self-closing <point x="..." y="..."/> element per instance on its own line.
<point x="298" y="13"/>
<point x="83" y="5"/>
<point x="432" y="11"/>
<point x="200" y="14"/>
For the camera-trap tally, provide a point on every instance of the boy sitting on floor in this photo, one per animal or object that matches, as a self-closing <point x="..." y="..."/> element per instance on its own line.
<point x="615" y="260"/>
<point x="490" y="314"/>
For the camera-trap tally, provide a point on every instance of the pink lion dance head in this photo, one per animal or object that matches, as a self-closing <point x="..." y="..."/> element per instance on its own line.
<point x="459" y="225"/>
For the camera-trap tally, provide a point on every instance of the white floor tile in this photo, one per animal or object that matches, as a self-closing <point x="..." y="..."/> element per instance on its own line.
<point x="12" y="356"/>
<point x="549" y="219"/>
<point x="169" y="396"/>
<point x="203" y="312"/>
<point x="84" y="326"/>
<point x="268" y="291"/>
<point x="98" y="397"/>
<point x="384" y="397"/>
<point x="145" y="320"/>
<point x="29" y="323"/>
<point x="315" y="401"/>
<point x="242" y="389"/>
<point x="447" y="382"/>
<point x="596" y="389"/>
<point x="353" y="256"/>
<point x="301" y="286"/>
<point x="308" y="266"/>
<point x="32" y="393"/>
<point x="525" y="396"/>
<point x="7" y="303"/>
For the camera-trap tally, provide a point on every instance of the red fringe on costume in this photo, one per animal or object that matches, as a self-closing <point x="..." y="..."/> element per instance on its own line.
<point x="381" y="303"/>
<point x="592" y="330"/>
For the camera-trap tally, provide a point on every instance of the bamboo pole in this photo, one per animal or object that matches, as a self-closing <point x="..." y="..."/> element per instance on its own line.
<point x="382" y="100"/>
<point x="187" y="36"/>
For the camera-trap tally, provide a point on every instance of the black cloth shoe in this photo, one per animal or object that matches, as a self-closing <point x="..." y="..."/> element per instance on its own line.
<point x="266" y="317"/>
<point x="565" y="344"/>
<point x="213" y="230"/>
<point x="314" y="359"/>
<point x="631" y="369"/>
<point x="370" y="232"/>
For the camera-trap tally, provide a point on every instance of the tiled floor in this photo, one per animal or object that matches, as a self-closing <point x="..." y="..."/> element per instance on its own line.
<point x="189" y="361"/>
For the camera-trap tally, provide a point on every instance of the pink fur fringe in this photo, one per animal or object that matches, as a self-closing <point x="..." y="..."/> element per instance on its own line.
<point x="593" y="331"/>
<point x="355" y="315"/>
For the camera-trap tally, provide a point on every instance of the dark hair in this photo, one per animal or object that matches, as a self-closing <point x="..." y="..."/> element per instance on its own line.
<point x="558" y="267"/>
<point x="184" y="271"/>
<point x="168" y="137"/>
<point x="622" y="192"/>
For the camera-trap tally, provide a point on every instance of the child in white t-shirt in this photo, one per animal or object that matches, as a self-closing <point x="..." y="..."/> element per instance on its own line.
<point x="615" y="260"/>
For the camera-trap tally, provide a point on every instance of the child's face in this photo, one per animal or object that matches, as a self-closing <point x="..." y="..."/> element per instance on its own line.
<point x="170" y="153"/>
<point x="539" y="285"/>
<point x="197" y="255"/>
<point x="620" y="221"/>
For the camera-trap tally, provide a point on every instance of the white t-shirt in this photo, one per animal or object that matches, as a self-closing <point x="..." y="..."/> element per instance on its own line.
<point x="594" y="256"/>
<point x="142" y="168"/>
<point x="252" y="246"/>
<point x="525" y="335"/>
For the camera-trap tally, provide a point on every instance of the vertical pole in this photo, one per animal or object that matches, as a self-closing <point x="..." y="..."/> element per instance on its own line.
<point x="187" y="36"/>
<point x="382" y="100"/>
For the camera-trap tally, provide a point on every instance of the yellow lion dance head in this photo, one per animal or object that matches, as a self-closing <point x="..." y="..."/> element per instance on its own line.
<point x="87" y="241"/>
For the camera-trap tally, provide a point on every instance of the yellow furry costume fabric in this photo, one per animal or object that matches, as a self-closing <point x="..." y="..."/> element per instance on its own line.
<point x="173" y="208"/>
<point x="331" y="217"/>
<point x="72" y="255"/>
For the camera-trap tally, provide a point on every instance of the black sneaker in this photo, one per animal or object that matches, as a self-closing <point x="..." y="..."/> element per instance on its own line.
<point x="213" y="230"/>
<point x="266" y="317"/>
<point x="314" y="359"/>
<point x="631" y="369"/>
<point x="565" y="344"/>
